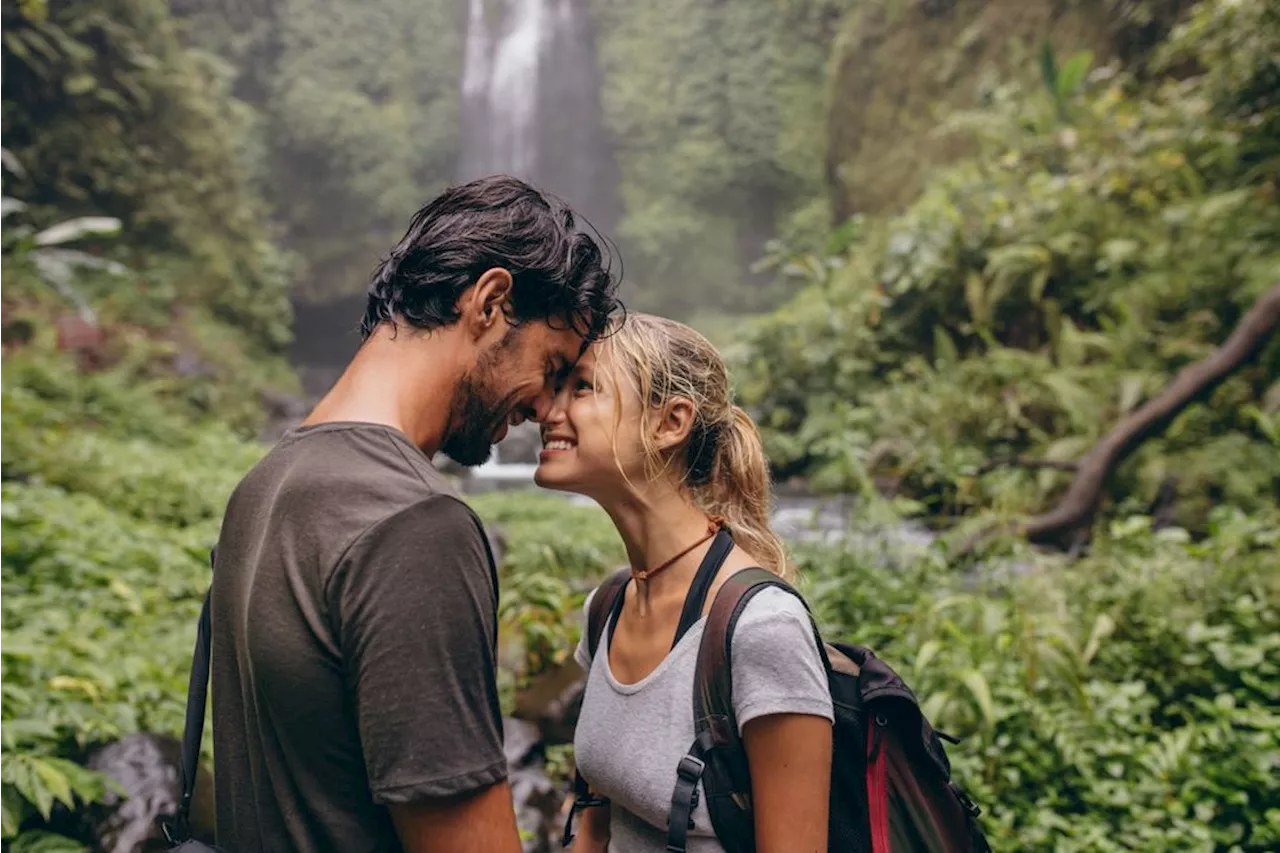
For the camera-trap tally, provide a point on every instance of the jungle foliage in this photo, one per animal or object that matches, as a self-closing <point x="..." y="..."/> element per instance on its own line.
<point x="1109" y="232"/>
<point x="109" y="114"/>
<point x="1107" y="229"/>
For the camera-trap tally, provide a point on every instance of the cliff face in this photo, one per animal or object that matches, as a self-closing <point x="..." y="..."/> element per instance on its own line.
<point x="899" y="64"/>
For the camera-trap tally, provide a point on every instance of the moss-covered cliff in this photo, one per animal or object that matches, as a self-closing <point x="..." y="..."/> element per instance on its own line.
<point x="899" y="64"/>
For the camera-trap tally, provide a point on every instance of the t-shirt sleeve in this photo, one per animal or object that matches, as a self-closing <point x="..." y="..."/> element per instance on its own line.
<point x="776" y="666"/>
<point x="416" y="602"/>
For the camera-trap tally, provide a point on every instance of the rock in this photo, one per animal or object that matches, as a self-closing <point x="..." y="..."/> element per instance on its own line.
<point x="17" y="334"/>
<point x="520" y="739"/>
<point x="190" y="365"/>
<point x="284" y="412"/>
<point x="551" y="701"/>
<point x="83" y="338"/>
<point x="148" y="767"/>
<point x="536" y="798"/>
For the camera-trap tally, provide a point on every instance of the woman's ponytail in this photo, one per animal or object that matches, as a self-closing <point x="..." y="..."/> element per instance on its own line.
<point x="739" y="490"/>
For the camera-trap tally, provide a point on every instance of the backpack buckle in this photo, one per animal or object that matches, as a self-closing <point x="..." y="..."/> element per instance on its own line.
<point x="967" y="804"/>
<point x="690" y="768"/>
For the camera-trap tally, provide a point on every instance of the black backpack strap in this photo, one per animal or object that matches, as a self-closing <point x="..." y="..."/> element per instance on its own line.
<point x="719" y="759"/>
<point x="606" y="602"/>
<point x="179" y="829"/>
<point x="707" y="571"/>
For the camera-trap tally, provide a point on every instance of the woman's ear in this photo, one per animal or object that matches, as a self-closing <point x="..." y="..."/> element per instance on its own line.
<point x="675" y="423"/>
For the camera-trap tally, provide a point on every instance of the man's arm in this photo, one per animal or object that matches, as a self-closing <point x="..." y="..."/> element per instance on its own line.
<point x="482" y="822"/>
<point x="416" y="607"/>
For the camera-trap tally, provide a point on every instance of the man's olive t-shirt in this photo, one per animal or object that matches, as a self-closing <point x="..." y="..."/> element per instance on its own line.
<point x="354" y="644"/>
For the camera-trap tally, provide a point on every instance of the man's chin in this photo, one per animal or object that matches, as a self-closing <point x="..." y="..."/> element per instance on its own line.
<point x="468" y="456"/>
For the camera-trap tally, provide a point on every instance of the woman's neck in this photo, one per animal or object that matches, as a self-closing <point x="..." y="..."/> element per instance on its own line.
<point x="655" y="527"/>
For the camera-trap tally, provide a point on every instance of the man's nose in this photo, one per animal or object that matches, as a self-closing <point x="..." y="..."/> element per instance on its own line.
<point x="542" y="405"/>
<point x="547" y="408"/>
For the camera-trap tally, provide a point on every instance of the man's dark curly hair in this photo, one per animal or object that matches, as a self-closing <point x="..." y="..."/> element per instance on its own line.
<point x="559" y="274"/>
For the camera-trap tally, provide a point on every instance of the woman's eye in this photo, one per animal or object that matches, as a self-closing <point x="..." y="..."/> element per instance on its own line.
<point x="581" y="386"/>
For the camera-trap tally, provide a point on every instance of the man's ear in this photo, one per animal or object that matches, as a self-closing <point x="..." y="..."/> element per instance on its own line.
<point x="674" y="423"/>
<point x="483" y="307"/>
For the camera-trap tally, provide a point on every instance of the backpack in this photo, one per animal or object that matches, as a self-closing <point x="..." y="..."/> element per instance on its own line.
<point x="891" y="786"/>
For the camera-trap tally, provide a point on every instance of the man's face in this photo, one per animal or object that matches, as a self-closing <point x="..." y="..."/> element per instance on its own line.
<point x="512" y="380"/>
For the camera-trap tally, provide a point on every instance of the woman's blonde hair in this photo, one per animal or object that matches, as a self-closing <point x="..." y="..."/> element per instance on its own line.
<point x="722" y="463"/>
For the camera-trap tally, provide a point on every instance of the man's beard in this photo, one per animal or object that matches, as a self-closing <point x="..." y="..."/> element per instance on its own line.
<point x="478" y="410"/>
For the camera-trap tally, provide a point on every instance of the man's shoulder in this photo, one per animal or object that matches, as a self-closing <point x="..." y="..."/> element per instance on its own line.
<point x="357" y="453"/>
<point x="332" y="486"/>
<point x="339" y="469"/>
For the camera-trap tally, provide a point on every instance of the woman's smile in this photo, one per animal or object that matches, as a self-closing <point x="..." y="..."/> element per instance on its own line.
<point x="555" y="444"/>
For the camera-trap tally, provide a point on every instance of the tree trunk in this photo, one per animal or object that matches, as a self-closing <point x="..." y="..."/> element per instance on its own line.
<point x="1075" y="511"/>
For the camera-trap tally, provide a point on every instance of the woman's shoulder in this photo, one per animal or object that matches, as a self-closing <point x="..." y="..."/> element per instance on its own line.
<point x="772" y="606"/>
<point x="774" y="626"/>
<point x="777" y="668"/>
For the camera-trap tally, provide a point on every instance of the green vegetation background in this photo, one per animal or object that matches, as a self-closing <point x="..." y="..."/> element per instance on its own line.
<point x="1098" y="227"/>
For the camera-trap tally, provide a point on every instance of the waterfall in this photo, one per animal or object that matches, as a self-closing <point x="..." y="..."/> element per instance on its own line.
<point x="531" y="102"/>
<point x="531" y="108"/>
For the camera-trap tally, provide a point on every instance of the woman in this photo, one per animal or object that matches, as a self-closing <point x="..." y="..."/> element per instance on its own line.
<point x="644" y="425"/>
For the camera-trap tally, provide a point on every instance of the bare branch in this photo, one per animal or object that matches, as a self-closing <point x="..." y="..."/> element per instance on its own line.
<point x="1078" y="505"/>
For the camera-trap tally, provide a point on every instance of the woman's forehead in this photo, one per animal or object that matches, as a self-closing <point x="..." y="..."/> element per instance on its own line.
<point x="589" y="359"/>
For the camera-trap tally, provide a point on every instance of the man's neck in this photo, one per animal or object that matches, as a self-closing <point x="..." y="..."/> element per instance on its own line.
<point x="405" y="382"/>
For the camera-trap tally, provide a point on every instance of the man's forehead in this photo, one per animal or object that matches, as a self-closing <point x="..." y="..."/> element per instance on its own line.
<point x="566" y="343"/>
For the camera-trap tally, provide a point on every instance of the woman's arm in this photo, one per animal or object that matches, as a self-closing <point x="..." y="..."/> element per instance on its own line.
<point x="790" y="760"/>
<point x="593" y="830"/>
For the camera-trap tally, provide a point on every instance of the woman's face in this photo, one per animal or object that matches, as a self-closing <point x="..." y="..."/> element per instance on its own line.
<point x="586" y="447"/>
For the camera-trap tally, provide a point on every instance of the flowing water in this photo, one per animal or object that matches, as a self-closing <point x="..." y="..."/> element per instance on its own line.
<point x="531" y="103"/>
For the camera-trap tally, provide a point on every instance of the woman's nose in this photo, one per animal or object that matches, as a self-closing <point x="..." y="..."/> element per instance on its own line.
<point x="552" y="411"/>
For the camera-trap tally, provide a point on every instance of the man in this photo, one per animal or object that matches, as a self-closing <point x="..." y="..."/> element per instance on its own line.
<point x="355" y="705"/>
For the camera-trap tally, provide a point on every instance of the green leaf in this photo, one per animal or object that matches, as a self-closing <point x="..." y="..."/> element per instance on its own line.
<point x="1103" y="626"/>
<point x="40" y="841"/>
<point x="935" y="706"/>
<point x="1069" y="351"/>
<point x="980" y="690"/>
<point x="944" y="348"/>
<point x="21" y="772"/>
<point x="79" y="84"/>
<point x="1073" y="72"/>
<point x="927" y="653"/>
<point x="1048" y="67"/>
<point x="975" y="298"/>
<point x="12" y="809"/>
<point x="75" y="229"/>
<point x="1038" y="282"/>
<point x="1131" y="388"/>
<point x="26" y="729"/>
<point x="57" y="783"/>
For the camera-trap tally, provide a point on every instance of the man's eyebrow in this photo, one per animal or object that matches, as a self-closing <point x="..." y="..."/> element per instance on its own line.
<point x="561" y="366"/>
